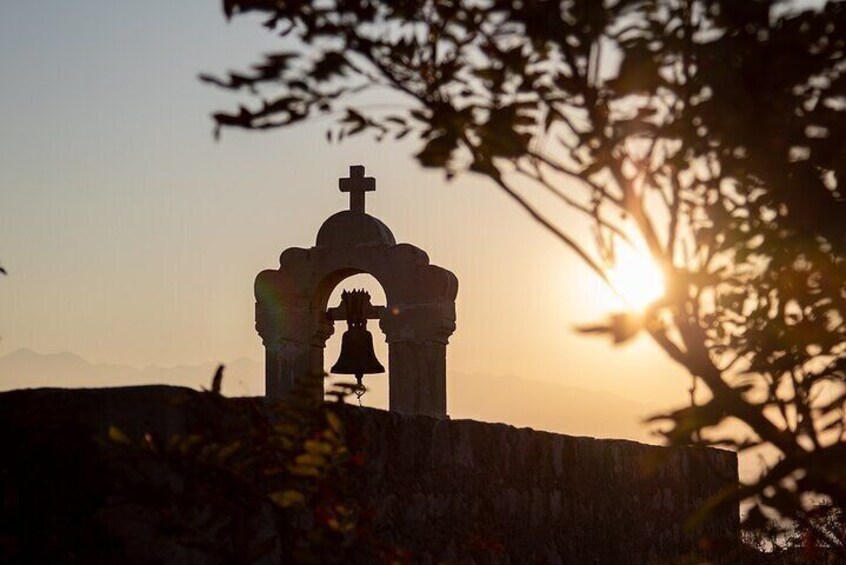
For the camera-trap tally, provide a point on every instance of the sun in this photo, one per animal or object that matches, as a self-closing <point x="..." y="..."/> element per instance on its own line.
<point x="637" y="278"/>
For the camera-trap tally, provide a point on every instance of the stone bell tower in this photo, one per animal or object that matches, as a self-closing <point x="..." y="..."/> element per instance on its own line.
<point x="294" y="322"/>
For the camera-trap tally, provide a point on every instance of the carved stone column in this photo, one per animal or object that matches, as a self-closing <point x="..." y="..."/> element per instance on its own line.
<point x="289" y="337"/>
<point x="286" y="362"/>
<point x="417" y="337"/>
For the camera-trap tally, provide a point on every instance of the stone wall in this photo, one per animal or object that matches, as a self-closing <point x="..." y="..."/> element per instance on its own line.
<point x="441" y="486"/>
<point x="445" y="488"/>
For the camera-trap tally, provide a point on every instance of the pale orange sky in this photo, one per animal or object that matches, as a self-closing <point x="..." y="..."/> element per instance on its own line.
<point x="132" y="237"/>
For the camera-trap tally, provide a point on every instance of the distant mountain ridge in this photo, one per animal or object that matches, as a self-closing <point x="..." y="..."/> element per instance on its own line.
<point x="24" y="368"/>
<point x="508" y="399"/>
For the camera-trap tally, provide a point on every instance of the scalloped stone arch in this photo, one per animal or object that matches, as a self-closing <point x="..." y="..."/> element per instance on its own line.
<point x="419" y="317"/>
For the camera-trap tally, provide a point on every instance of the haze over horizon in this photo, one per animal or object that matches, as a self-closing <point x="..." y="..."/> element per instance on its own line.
<point x="542" y="406"/>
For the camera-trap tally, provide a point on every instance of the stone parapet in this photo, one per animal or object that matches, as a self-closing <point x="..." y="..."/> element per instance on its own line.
<point x="442" y="489"/>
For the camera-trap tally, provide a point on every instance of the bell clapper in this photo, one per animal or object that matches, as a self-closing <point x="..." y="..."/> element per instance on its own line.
<point x="360" y="390"/>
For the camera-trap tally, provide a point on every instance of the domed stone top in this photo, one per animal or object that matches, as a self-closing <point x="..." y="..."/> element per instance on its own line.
<point x="349" y="228"/>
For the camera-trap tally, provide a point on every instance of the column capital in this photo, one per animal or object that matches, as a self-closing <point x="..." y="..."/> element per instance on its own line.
<point x="274" y="323"/>
<point x="418" y="323"/>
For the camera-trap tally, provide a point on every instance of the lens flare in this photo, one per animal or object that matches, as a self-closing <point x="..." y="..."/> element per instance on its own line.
<point x="637" y="278"/>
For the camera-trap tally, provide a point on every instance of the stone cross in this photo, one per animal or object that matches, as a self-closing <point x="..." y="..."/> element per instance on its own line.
<point x="357" y="184"/>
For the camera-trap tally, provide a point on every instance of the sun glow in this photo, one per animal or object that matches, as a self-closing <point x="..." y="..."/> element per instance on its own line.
<point x="637" y="278"/>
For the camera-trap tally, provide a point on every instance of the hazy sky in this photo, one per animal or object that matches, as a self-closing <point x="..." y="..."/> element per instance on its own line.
<point x="131" y="236"/>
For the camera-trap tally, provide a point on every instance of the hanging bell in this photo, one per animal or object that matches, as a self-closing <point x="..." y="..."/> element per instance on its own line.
<point x="357" y="355"/>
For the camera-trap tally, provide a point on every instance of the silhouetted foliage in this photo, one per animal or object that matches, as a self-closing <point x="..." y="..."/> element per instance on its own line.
<point x="711" y="133"/>
<point x="265" y="482"/>
<point x="288" y="460"/>
<point x="813" y="540"/>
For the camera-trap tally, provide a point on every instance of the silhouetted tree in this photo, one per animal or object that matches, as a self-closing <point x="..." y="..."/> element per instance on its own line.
<point x="711" y="133"/>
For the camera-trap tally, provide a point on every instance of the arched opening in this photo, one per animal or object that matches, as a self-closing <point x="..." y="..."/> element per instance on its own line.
<point x="377" y="385"/>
